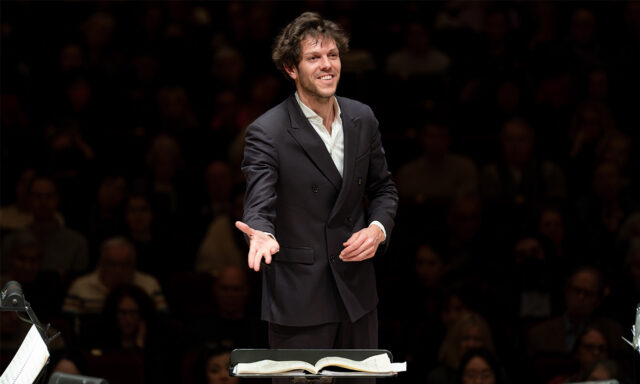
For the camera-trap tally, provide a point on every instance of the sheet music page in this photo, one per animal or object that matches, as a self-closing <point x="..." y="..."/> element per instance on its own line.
<point x="28" y="361"/>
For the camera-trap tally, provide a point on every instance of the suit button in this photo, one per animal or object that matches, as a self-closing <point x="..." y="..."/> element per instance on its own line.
<point x="348" y="219"/>
<point x="359" y="180"/>
<point x="332" y="258"/>
<point x="314" y="188"/>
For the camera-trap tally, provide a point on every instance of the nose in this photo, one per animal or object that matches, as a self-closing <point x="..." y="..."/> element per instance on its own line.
<point x="325" y="62"/>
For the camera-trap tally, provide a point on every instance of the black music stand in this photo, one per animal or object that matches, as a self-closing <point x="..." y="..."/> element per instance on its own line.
<point x="308" y="355"/>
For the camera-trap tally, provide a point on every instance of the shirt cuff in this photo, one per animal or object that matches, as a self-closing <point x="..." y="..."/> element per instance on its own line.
<point x="379" y="224"/>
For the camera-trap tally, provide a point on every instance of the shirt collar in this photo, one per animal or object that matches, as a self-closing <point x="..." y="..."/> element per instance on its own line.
<point x="310" y="114"/>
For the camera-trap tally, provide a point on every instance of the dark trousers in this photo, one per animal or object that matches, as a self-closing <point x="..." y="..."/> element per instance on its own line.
<point x="362" y="334"/>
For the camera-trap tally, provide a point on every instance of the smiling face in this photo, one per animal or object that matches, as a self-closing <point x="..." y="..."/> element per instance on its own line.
<point x="318" y="71"/>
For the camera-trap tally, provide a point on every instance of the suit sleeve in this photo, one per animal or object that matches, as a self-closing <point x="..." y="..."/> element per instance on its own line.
<point x="260" y="168"/>
<point x="381" y="191"/>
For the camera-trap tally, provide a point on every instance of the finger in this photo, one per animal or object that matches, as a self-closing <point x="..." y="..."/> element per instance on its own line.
<point x="351" y="239"/>
<point x="365" y="254"/>
<point x="354" y="248"/>
<point x="252" y="253"/>
<point x="267" y="258"/>
<point x="244" y="228"/>
<point x="367" y="245"/>
<point x="256" y="261"/>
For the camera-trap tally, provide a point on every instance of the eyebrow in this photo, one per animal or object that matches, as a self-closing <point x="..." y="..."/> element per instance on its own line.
<point x="315" y="52"/>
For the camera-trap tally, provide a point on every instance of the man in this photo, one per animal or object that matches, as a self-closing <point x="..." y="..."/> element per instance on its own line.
<point x="116" y="267"/>
<point x="310" y="163"/>
<point x="64" y="250"/>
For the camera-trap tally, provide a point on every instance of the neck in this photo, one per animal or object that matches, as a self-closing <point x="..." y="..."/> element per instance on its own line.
<point x="322" y="106"/>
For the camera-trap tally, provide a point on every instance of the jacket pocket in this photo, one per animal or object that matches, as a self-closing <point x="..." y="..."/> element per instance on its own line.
<point x="294" y="255"/>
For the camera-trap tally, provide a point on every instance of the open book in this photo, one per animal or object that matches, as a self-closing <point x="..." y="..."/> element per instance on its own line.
<point x="374" y="364"/>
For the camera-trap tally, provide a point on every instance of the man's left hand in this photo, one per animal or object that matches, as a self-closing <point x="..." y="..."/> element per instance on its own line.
<point x="363" y="244"/>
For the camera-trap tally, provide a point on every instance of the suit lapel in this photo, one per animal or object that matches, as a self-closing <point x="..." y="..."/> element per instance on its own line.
<point x="349" y="128"/>
<point x="308" y="138"/>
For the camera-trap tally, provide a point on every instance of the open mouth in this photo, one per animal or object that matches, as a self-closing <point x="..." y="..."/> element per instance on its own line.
<point x="326" y="77"/>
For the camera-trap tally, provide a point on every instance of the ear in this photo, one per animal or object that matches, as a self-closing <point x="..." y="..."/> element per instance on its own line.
<point x="291" y="71"/>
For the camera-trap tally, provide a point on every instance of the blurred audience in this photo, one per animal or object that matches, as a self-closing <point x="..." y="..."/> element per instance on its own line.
<point x="116" y="266"/>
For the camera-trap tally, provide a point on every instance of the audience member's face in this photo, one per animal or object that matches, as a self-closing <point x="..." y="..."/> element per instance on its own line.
<point x="139" y="215"/>
<point x="218" y="370"/>
<point x="496" y="26"/>
<point x="552" y="226"/>
<point x="26" y="263"/>
<point x="71" y="57"/>
<point x="429" y="266"/>
<point x="583" y="24"/>
<point x="231" y="292"/>
<point x="111" y="192"/>
<point x="478" y="371"/>
<point x="219" y="181"/>
<point x="452" y="310"/>
<point x="436" y="141"/>
<point x="528" y="248"/>
<point x="618" y="151"/>
<point x="517" y="143"/>
<point x="607" y="181"/>
<point x="128" y="316"/>
<point x="117" y="266"/>
<point x="66" y="366"/>
<point x="592" y="347"/>
<point x="79" y="94"/>
<point x="228" y="66"/>
<point x="417" y="39"/>
<point x="471" y="338"/>
<point x="44" y="199"/>
<point x="581" y="294"/>
<point x="465" y="219"/>
<point x="318" y="72"/>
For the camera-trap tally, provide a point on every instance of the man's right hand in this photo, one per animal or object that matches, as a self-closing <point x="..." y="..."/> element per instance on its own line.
<point x="261" y="245"/>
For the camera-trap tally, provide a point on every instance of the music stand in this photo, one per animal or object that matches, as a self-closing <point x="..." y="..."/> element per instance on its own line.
<point x="308" y="355"/>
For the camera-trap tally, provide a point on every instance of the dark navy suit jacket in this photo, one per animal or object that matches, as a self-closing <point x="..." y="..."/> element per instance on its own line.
<point x="295" y="192"/>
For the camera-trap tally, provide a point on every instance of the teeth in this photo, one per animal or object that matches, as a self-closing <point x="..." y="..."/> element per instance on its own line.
<point x="327" y="77"/>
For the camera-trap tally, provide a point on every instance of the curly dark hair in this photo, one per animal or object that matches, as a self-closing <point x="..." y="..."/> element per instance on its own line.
<point x="286" y="48"/>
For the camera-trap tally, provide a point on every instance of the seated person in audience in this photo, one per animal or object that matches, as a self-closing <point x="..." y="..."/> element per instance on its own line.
<point x="517" y="182"/>
<point x="18" y="215"/>
<point x="232" y="319"/>
<point x="156" y="253"/>
<point x="470" y="331"/>
<point x="212" y="366"/>
<point x="591" y="347"/>
<point x="480" y="366"/>
<point x="116" y="266"/>
<point x="42" y="289"/>
<point x="606" y="369"/>
<point x="223" y="245"/>
<point x="130" y="323"/>
<point x="584" y="291"/>
<point x="68" y="361"/>
<point x="437" y="175"/>
<point x="64" y="250"/>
